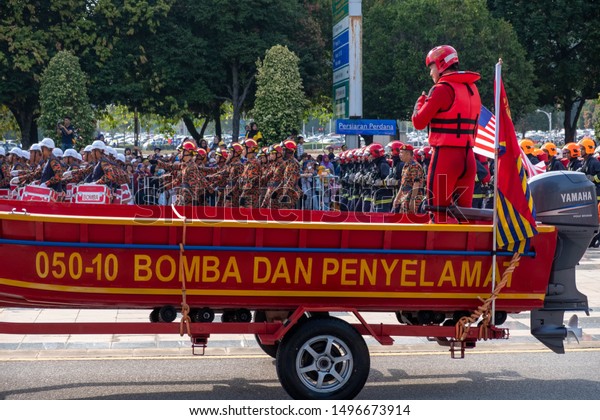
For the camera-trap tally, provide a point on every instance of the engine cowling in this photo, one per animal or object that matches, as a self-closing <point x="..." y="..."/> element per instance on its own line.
<point x="566" y="200"/>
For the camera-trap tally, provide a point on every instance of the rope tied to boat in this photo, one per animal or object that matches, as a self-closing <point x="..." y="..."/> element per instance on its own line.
<point x="185" y="308"/>
<point x="483" y="311"/>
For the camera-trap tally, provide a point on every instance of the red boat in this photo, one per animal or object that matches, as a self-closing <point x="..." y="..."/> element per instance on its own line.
<point x="292" y="268"/>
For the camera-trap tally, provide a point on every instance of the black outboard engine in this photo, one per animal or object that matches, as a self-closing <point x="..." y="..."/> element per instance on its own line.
<point x="566" y="200"/>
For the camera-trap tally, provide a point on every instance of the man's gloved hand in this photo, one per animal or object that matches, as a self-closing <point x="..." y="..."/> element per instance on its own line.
<point x="378" y="183"/>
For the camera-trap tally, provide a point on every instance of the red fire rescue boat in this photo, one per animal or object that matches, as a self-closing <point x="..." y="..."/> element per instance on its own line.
<point x="292" y="268"/>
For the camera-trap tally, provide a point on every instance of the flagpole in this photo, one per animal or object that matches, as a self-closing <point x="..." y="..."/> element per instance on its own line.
<point x="497" y="79"/>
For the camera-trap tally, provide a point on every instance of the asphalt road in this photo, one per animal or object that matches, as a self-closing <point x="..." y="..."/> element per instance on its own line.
<point x="483" y="375"/>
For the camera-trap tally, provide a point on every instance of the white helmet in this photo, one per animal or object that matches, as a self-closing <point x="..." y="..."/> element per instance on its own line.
<point x="2" y="151"/>
<point x="111" y="151"/>
<point x="70" y="153"/>
<point x="57" y="152"/>
<point x="35" y="147"/>
<point x="15" y="151"/>
<point x="121" y="157"/>
<point x="98" y="145"/>
<point x="79" y="156"/>
<point x="25" y="154"/>
<point x="47" y="142"/>
<point x="87" y="148"/>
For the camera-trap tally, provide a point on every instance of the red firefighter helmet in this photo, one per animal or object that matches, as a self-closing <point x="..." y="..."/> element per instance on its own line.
<point x="427" y="151"/>
<point x="251" y="145"/>
<point x="364" y="151"/>
<point x="236" y="147"/>
<point x="263" y="152"/>
<point x="376" y="150"/>
<point x="289" y="145"/>
<point x="395" y="147"/>
<point x="189" y="146"/>
<point x="417" y="153"/>
<point x="222" y="153"/>
<point x="201" y="152"/>
<point x="443" y="56"/>
<point x="275" y="148"/>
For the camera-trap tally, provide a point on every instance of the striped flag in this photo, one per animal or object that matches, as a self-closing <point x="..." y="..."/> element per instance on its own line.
<point x="532" y="170"/>
<point x="514" y="203"/>
<point x="484" y="141"/>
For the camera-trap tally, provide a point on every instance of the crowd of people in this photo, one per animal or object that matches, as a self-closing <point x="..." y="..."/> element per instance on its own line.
<point x="367" y="179"/>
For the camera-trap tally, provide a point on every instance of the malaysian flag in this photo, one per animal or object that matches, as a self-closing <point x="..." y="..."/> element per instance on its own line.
<point x="484" y="142"/>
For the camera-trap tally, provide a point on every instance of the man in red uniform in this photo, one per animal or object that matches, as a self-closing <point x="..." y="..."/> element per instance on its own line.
<point x="451" y="110"/>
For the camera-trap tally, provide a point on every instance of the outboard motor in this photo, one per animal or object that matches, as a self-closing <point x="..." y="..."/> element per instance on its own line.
<point x="566" y="200"/>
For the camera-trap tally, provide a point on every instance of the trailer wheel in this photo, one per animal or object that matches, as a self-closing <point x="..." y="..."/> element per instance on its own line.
<point x="243" y="315"/>
<point x="202" y="315"/>
<point x="269" y="349"/>
<point x="323" y="358"/>
<point x="167" y="313"/>
<point x="153" y="315"/>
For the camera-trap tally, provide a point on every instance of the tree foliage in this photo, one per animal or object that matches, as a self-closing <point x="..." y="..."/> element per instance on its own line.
<point x="7" y="121"/>
<point x="63" y="91"/>
<point x="280" y="99"/>
<point x="31" y="33"/>
<point x="562" y="38"/>
<point x="398" y="35"/>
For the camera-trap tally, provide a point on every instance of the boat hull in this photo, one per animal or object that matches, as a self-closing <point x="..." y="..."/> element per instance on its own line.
<point x="118" y="256"/>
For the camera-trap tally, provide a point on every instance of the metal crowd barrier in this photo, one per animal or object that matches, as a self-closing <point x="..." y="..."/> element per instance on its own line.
<point x="319" y="192"/>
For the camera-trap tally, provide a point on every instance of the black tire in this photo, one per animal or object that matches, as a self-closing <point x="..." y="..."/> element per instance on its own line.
<point x="269" y="349"/>
<point x="167" y="313"/>
<point x="154" y="315"/>
<point x="243" y="315"/>
<point x="323" y="358"/>
<point x="202" y="315"/>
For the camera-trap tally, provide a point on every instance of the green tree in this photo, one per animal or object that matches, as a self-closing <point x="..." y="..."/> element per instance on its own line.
<point x="63" y="91"/>
<point x="596" y="120"/>
<point x="8" y="124"/>
<point x="398" y="35"/>
<point x="124" y="71"/>
<point x="280" y="100"/>
<point x="31" y="32"/>
<point x="237" y="34"/>
<point x="562" y="38"/>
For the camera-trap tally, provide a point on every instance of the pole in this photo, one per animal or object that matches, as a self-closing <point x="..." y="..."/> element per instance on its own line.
<point x="498" y="78"/>
<point x="549" y="115"/>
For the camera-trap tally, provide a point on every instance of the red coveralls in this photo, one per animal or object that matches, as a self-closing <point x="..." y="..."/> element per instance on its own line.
<point x="452" y="111"/>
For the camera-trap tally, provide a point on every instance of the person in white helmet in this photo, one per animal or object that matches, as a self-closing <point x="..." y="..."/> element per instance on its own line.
<point x="35" y="153"/>
<point x="72" y="159"/>
<point x="86" y="166"/>
<point x="85" y="154"/>
<point x="105" y="172"/>
<point x="52" y="170"/>
<point x="24" y="160"/>
<point x="5" y="176"/>
<point x="14" y="159"/>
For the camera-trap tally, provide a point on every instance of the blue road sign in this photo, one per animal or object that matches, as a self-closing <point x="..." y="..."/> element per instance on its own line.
<point x="368" y="127"/>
